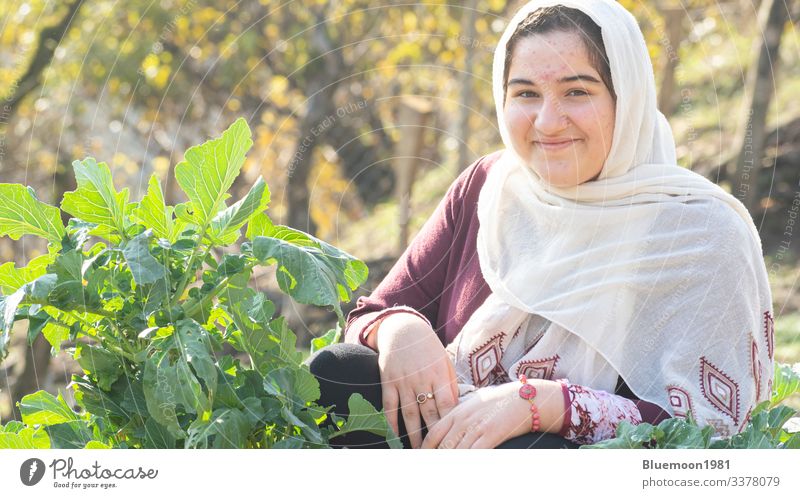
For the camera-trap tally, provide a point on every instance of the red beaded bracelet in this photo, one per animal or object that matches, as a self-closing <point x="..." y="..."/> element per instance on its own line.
<point x="528" y="392"/>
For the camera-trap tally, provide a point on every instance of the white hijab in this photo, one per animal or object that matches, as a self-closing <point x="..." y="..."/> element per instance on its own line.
<point x="650" y="272"/>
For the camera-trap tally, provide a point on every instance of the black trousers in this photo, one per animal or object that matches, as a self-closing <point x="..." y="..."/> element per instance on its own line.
<point x="344" y="369"/>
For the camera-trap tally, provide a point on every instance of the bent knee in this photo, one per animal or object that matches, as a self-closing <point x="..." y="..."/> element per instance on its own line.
<point x="343" y="361"/>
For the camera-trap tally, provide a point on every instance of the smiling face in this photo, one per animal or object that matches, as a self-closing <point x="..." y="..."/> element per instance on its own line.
<point x="558" y="112"/>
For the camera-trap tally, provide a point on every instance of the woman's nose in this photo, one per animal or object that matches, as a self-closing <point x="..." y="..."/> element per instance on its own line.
<point x="551" y="117"/>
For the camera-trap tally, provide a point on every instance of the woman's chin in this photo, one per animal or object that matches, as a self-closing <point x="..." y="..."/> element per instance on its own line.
<point x="559" y="179"/>
<point x="562" y="184"/>
<point x="555" y="176"/>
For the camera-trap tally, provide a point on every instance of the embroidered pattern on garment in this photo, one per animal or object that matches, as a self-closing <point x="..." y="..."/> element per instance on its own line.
<point x="746" y="419"/>
<point x="720" y="427"/>
<point x="596" y="414"/>
<point x="756" y="367"/>
<point x="719" y="389"/>
<point x="679" y="400"/>
<point x="769" y="331"/>
<point x="485" y="362"/>
<point x="538" y="369"/>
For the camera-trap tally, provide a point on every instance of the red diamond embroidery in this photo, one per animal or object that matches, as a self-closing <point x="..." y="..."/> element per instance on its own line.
<point x="485" y="361"/>
<point x="720" y="427"/>
<point x="769" y="331"/>
<point x="719" y="389"/>
<point x="679" y="400"/>
<point x="538" y="369"/>
<point x="746" y="419"/>
<point x="756" y="368"/>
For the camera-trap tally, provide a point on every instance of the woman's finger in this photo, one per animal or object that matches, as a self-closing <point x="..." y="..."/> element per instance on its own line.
<point x="410" y="410"/>
<point x="472" y="433"/>
<point x="445" y="399"/>
<point x="391" y="399"/>
<point x="429" y="409"/>
<point x="437" y="433"/>
<point x="453" y="380"/>
<point x="453" y="437"/>
<point x="484" y="443"/>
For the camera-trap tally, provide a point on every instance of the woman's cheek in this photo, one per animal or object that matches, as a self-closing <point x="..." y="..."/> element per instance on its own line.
<point x="517" y="123"/>
<point x="589" y="117"/>
<point x="608" y="129"/>
<point x="601" y="117"/>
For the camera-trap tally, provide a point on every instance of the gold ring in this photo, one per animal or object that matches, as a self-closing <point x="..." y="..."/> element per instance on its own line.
<point x="423" y="397"/>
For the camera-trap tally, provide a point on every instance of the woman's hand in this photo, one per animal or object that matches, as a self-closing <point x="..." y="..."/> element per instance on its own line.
<point x="495" y="414"/>
<point x="412" y="360"/>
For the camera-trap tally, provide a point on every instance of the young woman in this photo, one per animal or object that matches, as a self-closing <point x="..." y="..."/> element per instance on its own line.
<point x="575" y="279"/>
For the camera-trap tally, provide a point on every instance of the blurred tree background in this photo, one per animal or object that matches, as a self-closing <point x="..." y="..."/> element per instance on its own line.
<point x="363" y="113"/>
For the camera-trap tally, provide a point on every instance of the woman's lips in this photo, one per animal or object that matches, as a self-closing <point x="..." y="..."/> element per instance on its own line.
<point x="556" y="144"/>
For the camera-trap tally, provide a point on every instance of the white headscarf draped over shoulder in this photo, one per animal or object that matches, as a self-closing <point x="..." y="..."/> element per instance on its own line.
<point x="650" y="272"/>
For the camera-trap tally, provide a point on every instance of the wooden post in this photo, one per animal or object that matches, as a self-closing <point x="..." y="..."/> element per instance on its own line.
<point x="670" y="42"/>
<point x="759" y="88"/>
<point x="413" y="116"/>
<point x="467" y="96"/>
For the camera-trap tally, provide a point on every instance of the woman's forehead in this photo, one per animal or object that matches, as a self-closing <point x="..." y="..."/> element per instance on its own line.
<point x="551" y="57"/>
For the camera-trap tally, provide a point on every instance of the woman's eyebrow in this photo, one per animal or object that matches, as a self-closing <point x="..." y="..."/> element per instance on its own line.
<point x="579" y="77"/>
<point x="566" y="79"/>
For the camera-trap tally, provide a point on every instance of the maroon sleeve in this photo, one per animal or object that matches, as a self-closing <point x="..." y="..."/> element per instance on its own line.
<point x="595" y="414"/>
<point x="365" y="323"/>
<point x="418" y="278"/>
<point x="651" y="412"/>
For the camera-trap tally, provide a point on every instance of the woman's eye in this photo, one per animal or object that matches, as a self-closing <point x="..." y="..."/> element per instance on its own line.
<point x="577" y="93"/>
<point x="527" y="93"/>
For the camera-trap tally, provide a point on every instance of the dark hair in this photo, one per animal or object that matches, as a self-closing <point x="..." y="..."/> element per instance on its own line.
<point x="563" y="19"/>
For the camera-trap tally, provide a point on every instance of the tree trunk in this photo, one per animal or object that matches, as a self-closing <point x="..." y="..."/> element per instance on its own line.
<point x="413" y="118"/>
<point x="324" y="76"/>
<point x="467" y="94"/>
<point x="321" y="115"/>
<point x="673" y="23"/>
<point x="37" y="355"/>
<point x="34" y="372"/>
<point x="362" y="164"/>
<point x="49" y="39"/>
<point x="760" y="85"/>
